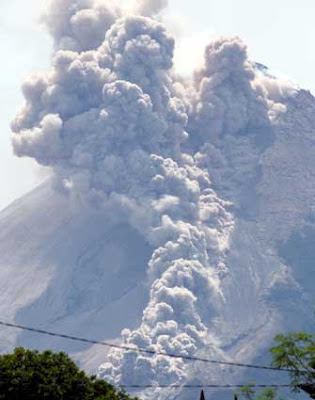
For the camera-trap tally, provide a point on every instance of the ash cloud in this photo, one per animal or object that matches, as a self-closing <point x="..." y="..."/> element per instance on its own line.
<point x="226" y="101"/>
<point x="110" y="121"/>
<point x="80" y="25"/>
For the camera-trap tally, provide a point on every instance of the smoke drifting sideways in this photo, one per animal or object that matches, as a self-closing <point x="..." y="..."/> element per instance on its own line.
<point x="149" y="8"/>
<point x="111" y="120"/>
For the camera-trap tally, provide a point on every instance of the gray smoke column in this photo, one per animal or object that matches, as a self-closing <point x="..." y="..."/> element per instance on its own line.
<point x="80" y="24"/>
<point x="110" y="120"/>
<point x="226" y="101"/>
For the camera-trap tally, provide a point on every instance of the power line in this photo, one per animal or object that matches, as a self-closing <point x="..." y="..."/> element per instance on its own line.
<point x="178" y="386"/>
<point x="140" y="350"/>
<point x="205" y="386"/>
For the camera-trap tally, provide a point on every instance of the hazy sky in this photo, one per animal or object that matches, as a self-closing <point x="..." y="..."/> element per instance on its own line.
<point x="280" y="34"/>
<point x="24" y="48"/>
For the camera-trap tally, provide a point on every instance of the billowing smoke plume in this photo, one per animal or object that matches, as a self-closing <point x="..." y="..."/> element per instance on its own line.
<point x="80" y="25"/>
<point x="112" y="122"/>
<point x="226" y="102"/>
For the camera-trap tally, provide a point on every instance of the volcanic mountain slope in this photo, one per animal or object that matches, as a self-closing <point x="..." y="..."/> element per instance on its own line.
<point x="270" y="257"/>
<point x="179" y="215"/>
<point x="63" y="269"/>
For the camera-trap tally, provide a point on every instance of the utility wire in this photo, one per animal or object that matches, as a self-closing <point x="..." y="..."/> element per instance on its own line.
<point x="206" y="386"/>
<point x="140" y="350"/>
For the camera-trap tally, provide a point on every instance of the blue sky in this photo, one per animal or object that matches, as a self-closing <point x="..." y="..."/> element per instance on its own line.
<point x="279" y="34"/>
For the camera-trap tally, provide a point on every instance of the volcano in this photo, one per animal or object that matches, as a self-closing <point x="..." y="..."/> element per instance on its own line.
<point x="179" y="215"/>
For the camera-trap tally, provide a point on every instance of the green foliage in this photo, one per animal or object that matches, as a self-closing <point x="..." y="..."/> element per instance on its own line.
<point x="248" y="393"/>
<point x="30" y="375"/>
<point x="296" y="351"/>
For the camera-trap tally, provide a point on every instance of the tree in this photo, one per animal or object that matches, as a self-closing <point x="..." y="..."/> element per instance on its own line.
<point x="30" y="375"/>
<point x="296" y="351"/>
<point x="248" y="393"/>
